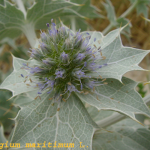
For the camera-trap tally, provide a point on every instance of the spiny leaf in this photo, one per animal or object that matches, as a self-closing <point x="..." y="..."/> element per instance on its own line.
<point x="111" y="15"/>
<point x="45" y="10"/>
<point x="7" y="111"/>
<point x="15" y="82"/>
<point x="2" y="137"/>
<point x="11" y="20"/>
<point x="118" y="97"/>
<point x="124" y="135"/>
<point x="66" y="122"/>
<point x="119" y="59"/>
<point x="141" y="6"/>
<point x="2" y="2"/>
<point x="86" y="10"/>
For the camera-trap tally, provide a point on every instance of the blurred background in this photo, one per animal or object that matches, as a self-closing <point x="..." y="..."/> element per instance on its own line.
<point x="102" y="18"/>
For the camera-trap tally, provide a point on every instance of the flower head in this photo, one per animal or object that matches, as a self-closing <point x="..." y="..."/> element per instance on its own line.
<point x="64" y="60"/>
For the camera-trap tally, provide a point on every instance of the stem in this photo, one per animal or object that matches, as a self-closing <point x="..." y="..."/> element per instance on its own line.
<point x="148" y="62"/>
<point x="21" y="7"/>
<point x="110" y="120"/>
<point x="126" y="13"/>
<point x="29" y="32"/>
<point x="27" y="29"/>
<point x="129" y="10"/>
<point x="107" y="29"/>
<point x="147" y="99"/>
<point x="73" y="24"/>
<point x="114" y="118"/>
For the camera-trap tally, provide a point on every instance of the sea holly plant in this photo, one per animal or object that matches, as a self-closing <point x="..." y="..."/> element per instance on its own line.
<point x="66" y="71"/>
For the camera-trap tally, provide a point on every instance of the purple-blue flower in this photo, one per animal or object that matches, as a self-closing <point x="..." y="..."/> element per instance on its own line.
<point x="64" y="61"/>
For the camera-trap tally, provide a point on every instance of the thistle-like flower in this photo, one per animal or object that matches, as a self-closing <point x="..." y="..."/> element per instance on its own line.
<point x="65" y="58"/>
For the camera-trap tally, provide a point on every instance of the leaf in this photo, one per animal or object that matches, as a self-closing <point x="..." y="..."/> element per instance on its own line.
<point x="7" y="111"/>
<point x="117" y="97"/>
<point x="86" y="9"/>
<point x="125" y="135"/>
<point x="80" y="23"/>
<point x="97" y="115"/>
<point x="119" y="59"/>
<point x="2" y="2"/>
<point x="50" y="10"/>
<point x="15" y="82"/>
<point x="141" y="7"/>
<point x="65" y="122"/>
<point x="24" y="98"/>
<point x="2" y="137"/>
<point x="11" y="20"/>
<point x="111" y="15"/>
<point x="123" y="22"/>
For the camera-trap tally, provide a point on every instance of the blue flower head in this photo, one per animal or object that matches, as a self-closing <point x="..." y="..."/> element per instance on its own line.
<point x="65" y="58"/>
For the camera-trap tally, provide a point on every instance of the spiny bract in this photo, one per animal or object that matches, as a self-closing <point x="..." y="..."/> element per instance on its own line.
<point x="64" y="59"/>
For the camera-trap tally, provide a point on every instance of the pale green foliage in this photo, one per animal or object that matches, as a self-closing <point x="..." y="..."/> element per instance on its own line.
<point x="120" y="59"/>
<point x="13" y="21"/>
<point x="119" y="97"/>
<point x="41" y="13"/>
<point x="124" y="135"/>
<point x="42" y="121"/>
<point x="15" y="82"/>
<point x="87" y="10"/>
<point x="2" y="2"/>
<point x="110" y="12"/>
<point x="114" y="21"/>
<point x="2" y="137"/>
<point x="7" y="110"/>
<point x="141" y="6"/>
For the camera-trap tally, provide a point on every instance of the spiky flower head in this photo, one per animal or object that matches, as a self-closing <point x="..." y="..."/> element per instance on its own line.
<point x="64" y="60"/>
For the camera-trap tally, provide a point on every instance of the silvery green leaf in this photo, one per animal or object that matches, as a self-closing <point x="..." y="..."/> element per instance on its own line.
<point x="11" y="20"/>
<point x="50" y="9"/>
<point x="142" y="9"/>
<point x="119" y="59"/>
<point x="2" y="2"/>
<point x="15" y="82"/>
<point x="87" y="9"/>
<point x="111" y="15"/>
<point x="7" y="111"/>
<point x="65" y="122"/>
<point x="23" y="98"/>
<point x="2" y="137"/>
<point x="124" y="135"/>
<point x="141" y="6"/>
<point x="120" y="97"/>
<point x="123" y="22"/>
<point x="80" y="23"/>
<point x="98" y="115"/>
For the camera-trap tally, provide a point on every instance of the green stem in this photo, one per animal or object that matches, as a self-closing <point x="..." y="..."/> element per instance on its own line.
<point x="129" y="10"/>
<point x="107" y="29"/>
<point x="148" y="62"/>
<point x="126" y="13"/>
<point x="29" y="31"/>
